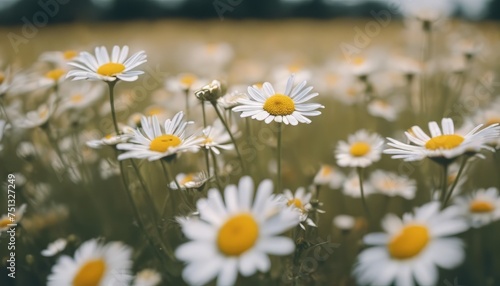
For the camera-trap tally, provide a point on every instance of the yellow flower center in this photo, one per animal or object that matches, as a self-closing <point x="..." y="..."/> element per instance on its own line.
<point x="54" y="74"/>
<point x="90" y="274"/>
<point x="76" y="98"/>
<point x="2" y="77"/>
<point x="5" y="222"/>
<point x="359" y="149"/>
<point x="358" y="61"/>
<point x="296" y="202"/>
<point x="155" y="111"/>
<point x="389" y="184"/>
<point x="279" y="104"/>
<point x="108" y="136"/>
<point x="110" y="69"/>
<point x="188" y="80"/>
<point x="293" y="68"/>
<point x="351" y="91"/>
<point x="68" y="55"/>
<point x="326" y="170"/>
<point x="237" y="235"/>
<point x="488" y="123"/>
<point x="444" y="142"/>
<point x="331" y="78"/>
<point x="208" y="140"/>
<point x="163" y="142"/>
<point x="479" y="206"/>
<point x="188" y="178"/>
<point x="409" y="242"/>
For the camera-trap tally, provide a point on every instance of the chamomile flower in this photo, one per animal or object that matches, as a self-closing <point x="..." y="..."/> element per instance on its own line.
<point x="235" y="235"/>
<point x="329" y="175"/>
<point x="102" y="67"/>
<point x="480" y="208"/>
<point x="351" y="188"/>
<point x="108" y="169"/>
<point x="446" y="145"/>
<point x="216" y="137"/>
<point x="55" y="247"/>
<point x="79" y="97"/>
<point x="59" y="58"/>
<point x="300" y="201"/>
<point x="344" y="222"/>
<point x="94" y="263"/>
<point x="14" y="218"/>
<point x="112" y="139"/>
<point x="390" y="184"/>
<point x="147" y="277"/>
<point x="35" y="118"/>
<point x="289" y="107"/>
<point x="384" y="109"/>
<point x="189" y="181"/>
<point x="412" y="248"/>
<point x="155" y="143"/>
<point x="184" y="82"/>
<point x="361" y="149"/>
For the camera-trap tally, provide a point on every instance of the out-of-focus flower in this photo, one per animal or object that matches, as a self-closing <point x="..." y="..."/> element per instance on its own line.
<point x="300" y="201"/>
<point x="35" y="118"/>
<point x="94" y="263"/>
<point x="344" y="222"/>
<point x="54" y="247"/>
<point x="480" y="208"/>
<point x="329" y="175"/>
<point x="384" y="109"/>
<point x="147" y="277"/>
<point x="102" y="67"/>
<point x="361" y="149"/>
<point x="390" y="184"/>
<point x="351" y="186"/>
<point x="235" y="235"/>
<point x="12" y="218"/>
<point x="112" y="139"/>
<point x="189" y="181"/>
<point x="216" y="137"/>
<point x="78" y="96"/>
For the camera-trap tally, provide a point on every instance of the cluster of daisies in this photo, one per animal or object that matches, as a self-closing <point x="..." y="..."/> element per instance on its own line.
<point x="232" y="232"/>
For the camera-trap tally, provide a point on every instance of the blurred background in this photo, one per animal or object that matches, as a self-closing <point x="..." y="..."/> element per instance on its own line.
<point x="12" y="11"/>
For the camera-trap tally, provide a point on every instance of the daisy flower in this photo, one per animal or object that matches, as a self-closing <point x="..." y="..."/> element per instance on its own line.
<point x="147" y="277"/>
<point x="344" y="222"/>
<point x="35" y="118"/>
<point x="79" y="97"/>
<point x="446" y="145"/>
<point x="299" y="201"/>
<point x="94" y="264"/>
<point x="190" y="181"/>
<point x="155" y="143"/>
<point x="329" y="175"/>
<point x="390" y="184"/>
<point x="184" y="82"/>
<point x="102" y="67"/>
<point x="235" y="234"/>
<point x="351" y="186"/>
<point x="361" y="149"/>
<point x="112" y="139"/>
<point x="384" y="109"/>
<point x="54" y="247"/>
<point x="411" y="248"/>
<point x="59" y="58"/>
<point x="216" y="137"/>
<point x="289" y="107"/>
<point x="480" y="208"/>
<point x="6" y="219"/>
<point x="108" y="169"/>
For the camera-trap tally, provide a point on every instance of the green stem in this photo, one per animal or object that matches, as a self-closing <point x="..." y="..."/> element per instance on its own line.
<point x="444" y="183"/>
<point x="214" y="104"/>
<point x="139" y="220"/>
<point x="186" y="93"/>
<point x="204" y="114"/>
<point x="363" y="199"/>
<point x="455" y="183"/>
<point x="216" y="172"/>
<point x="278" y="178"/>
<point x="111" y="85"/>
